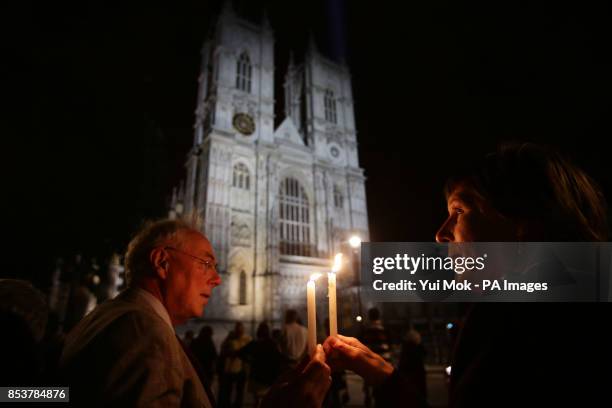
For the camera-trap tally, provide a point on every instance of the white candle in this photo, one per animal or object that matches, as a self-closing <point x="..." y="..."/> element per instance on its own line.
<point x="331" y="294"/>
<point x="312" y="313"/>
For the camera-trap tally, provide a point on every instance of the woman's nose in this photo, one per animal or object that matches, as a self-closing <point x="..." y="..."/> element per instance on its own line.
<point x="445" y="233"/>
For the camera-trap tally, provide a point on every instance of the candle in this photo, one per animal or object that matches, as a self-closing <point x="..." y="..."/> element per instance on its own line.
<point x="312" y="313"/>
<point x="331" y="294"/>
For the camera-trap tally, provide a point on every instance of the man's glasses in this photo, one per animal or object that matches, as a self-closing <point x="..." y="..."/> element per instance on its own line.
<point x="204" y="262"/>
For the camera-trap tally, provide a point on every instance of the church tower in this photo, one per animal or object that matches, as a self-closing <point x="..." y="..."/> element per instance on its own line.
<point x="277" y="203"/>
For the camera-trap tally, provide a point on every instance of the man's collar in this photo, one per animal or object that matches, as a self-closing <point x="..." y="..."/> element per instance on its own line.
<point x="154" y="302"/>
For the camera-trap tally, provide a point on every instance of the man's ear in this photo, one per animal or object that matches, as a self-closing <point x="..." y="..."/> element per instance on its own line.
<point x="159" y="262"/>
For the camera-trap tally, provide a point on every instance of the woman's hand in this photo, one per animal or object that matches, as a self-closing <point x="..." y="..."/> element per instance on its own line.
<point x="348" y="353"/>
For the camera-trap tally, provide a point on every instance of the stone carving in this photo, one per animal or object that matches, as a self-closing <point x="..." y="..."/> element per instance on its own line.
<point x="241" y="233"/>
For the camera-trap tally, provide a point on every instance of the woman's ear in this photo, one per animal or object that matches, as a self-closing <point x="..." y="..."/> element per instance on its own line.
<point x="160" y="262"/>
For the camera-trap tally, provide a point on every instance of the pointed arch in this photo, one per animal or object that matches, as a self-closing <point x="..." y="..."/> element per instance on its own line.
<point x="241" y="177"/>
<point x="330" y="106"/>
<point x="294" y="211"/>
<point x="338" y="197"/>
<point x="244" y="72"/>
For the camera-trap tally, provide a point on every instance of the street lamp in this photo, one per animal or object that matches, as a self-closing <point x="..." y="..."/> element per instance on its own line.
<point x="355" y="241"/>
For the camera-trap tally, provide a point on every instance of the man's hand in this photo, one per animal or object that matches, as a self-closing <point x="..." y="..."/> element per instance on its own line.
<point x="348" y="353"/>
<point x="305" y="387"/>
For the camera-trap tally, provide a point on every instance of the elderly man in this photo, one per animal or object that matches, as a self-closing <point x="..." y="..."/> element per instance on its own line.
<point x="126" y="353"/>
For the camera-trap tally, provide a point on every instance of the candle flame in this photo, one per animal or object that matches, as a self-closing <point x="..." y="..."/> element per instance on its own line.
<point x="337" y="263"/>
<point x="315" y="276"/>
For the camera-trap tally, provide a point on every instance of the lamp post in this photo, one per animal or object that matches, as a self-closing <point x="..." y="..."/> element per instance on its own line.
<point x="355" y="243"/>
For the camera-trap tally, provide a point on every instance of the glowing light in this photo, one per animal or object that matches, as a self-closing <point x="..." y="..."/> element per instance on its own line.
<point x="337" y="263"/>
<point x="358" y="318"/>
<point x="450" y="326"/>
<point x="355" y="241"/>
<point x="314" y="277"/>
<point x="448" y="370"/>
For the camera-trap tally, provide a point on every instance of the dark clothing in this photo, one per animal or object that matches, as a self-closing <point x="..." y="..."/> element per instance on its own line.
<point x="412" y="365"/>
<point x="521" y="354"/>
<point x="205" y="351"/>
<point x="265" y="360"/>
<point x="233" y="375"/>
<point x="375" y="337"/>
<point x="337" y="396"/>
<point x="199" y="370"/>
<point x="399" y="391"/>
<point x="227" y="383"/>
<point x="495" y="358"/>
<point x="20" y="353"/>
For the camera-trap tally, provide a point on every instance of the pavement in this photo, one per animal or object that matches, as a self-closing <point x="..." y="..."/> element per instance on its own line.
<point x="437" y="389"/>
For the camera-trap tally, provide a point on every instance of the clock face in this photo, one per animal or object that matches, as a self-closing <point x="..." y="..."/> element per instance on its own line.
<point x="335" y="154"/>
<point x="244" y="123"/>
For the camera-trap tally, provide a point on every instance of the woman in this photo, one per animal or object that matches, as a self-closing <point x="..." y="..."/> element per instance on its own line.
<point x="505" y="352"/>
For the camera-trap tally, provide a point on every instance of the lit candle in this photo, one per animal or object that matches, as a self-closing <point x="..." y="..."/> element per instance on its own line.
<point x="331" y="294"/>
<point x="312" y="313"/>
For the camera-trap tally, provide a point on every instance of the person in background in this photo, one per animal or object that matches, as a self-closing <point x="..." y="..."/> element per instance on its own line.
<point x="233" y="377"/>
<point x="375" y="337"/>
<point x="205" y="351"/>
<point x="412" y="361"/>
<point x="277" y="337"/>
<point x="294" y="338"/>
<point x="23" y="318"/>
<point x="188" y="337"/>
<point x="338" y="395"/>
<point x="265" y="362"/>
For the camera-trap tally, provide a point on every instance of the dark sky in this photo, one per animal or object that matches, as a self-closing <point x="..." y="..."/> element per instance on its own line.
<point x="101" y="100"/>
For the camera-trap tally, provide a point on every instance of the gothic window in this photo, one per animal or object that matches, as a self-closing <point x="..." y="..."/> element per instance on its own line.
<point x="243" y="73"/>
<point x="241" y="178"/>
<point x="294" y="219"/>
<point x="338" y="199"/>
<point x="330" y="107"/>
<point x="243" y="288"/>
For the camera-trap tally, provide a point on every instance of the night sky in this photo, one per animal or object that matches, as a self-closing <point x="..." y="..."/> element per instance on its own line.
<point x="101" y="101"/>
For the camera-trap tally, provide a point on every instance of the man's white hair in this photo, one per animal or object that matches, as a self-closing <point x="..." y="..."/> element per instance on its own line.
<point x="165" y="232"/>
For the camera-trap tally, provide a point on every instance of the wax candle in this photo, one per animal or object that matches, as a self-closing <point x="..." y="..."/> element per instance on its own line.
<point x="331" y="294"/>
<point x="312" y="313"/>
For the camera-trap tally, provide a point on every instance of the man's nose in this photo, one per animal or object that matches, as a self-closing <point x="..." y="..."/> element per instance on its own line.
<point x="445" y="233"/>
<point x="216" y="279"/>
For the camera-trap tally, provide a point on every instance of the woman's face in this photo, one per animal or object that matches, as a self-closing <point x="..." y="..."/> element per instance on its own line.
<point x="472" y="219"/>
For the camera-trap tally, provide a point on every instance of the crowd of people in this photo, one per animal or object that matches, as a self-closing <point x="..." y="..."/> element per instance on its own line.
<point x="126" y="352"/>
<point x="251" y="365"/>
<point x="241" y="364"/>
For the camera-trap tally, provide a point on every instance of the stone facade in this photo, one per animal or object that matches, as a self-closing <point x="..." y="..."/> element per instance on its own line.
<point x="277" y="203"/>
